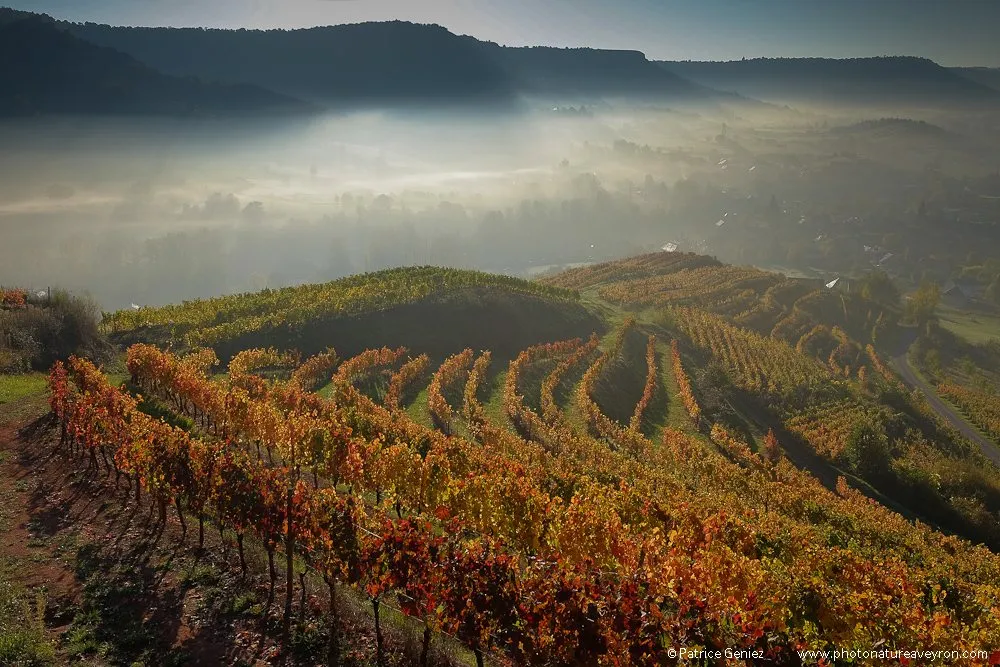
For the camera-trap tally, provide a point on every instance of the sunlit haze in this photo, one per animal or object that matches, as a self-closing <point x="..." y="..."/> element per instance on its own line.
<point x="462" y="333"/>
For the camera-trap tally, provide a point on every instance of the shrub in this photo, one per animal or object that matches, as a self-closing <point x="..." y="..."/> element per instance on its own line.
<point x="36" y="335"/>
<point x="22" y="629"/>
<point x="867" y="449"/>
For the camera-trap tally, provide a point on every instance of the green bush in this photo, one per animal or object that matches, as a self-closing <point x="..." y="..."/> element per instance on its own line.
<point x="22" y="628"/>
<point x="867" y="449"/>
<point x="34" y="336"/>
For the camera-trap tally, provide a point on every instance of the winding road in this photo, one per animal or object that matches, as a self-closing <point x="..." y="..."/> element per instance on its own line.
<point x="901" y="364"/>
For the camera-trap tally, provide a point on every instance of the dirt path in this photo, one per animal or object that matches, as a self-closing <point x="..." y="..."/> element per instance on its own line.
<point x="901" y="364"/>
<point x="34" y="543"/>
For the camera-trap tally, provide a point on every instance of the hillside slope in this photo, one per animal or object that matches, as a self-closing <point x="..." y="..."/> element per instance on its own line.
<point x="44" y="70"/>
<point x="435" y="310"/>
<point x="861" y="81"/>
<point x="792" y="356"/>
<point x="987" y="76"/>
<point x="728" y="463"/>
<point x="588" y="73"/>
<point x="392" y="62"/>
<point x="336" y="65"/>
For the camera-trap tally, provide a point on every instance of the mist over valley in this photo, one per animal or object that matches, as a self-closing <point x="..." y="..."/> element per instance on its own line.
<point x="380" y="344"/>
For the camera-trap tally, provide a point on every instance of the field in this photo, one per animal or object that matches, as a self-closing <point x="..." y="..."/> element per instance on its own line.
<point x="634" y="470"/>
<point x="975" y="327"/>
<point x="14" y="387"/>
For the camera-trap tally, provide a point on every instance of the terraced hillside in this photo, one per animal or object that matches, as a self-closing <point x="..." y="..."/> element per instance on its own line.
<point x="433" y="308"/>
<point x="655" y="465"/>
<point x="770" y="354"/>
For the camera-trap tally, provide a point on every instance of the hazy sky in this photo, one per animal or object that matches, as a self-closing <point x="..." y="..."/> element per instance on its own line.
<point x="952" y="32"/>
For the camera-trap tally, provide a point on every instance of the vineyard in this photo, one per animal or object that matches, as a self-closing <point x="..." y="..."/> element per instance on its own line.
<point x="428" y="532"/>
<point x="828" y="427"/>
<point x="448" y="375"/>
<point x="510" y="513"/>
<point x="212" y="321"/>
<point x="648" y="389"/>
<point x="550" y="410"/>
<point x="757" y="363"/>
<point x="526" y="420"/>
<point x="792" y="310"/>
<point x="633" y="268"/>
<point x="801" y="358"/>
<point x="404" y="379"/>
<point x="597" y="421"/>
<point x="725" y="289"/>
<point x="751" y="298"/>
<point x="12" y="298"/>
<point x="982" y="407"/>
<point x="684" y="385"/>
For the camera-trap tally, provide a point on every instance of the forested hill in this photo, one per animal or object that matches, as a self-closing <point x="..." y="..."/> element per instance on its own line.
<point x="359" y="63"/>
<point x="392" y="63"/>
<point x="885" y="80"/>
<point x="987" y="76"/>
<point x="389" y="61"/>
<point x="44" y="69"/>
<point x="553" y="71"/>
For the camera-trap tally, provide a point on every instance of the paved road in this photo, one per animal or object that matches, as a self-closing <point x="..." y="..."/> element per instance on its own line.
<point x="902" y="366"/>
